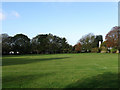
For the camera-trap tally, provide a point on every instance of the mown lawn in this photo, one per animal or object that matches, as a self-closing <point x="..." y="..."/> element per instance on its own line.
<point x="84" y="70"/>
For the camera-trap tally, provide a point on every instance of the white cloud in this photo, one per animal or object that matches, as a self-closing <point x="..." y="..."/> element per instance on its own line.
<point x="16" y="14"/>
<point x="8" y="15"/>
<point x="2" y="16"/>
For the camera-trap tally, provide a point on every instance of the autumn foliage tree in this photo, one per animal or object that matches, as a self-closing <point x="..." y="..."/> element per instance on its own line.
<point x="112" y="37"/>
<point x="78" y="47"/>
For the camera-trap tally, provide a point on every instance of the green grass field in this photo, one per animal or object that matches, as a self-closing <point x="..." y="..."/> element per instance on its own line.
<point x="84" y="70"/>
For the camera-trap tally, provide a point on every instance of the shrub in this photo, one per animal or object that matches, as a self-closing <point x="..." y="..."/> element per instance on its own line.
<point x="113" y="50"/>
<point x="95" y="50"/>
<point x="103" y="49"/>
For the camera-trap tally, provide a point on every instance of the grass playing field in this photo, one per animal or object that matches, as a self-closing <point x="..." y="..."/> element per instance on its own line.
<point x="84" y="70"/>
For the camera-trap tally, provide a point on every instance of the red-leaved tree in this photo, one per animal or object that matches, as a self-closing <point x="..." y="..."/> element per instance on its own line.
<point x="112" y="38"/>
<point x="78" y="47"/>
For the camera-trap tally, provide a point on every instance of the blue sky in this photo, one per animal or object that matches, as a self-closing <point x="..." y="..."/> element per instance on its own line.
<point x="65" y="19"/>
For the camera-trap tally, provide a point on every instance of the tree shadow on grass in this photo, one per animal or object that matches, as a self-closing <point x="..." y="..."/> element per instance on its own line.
<point x="22" y="81"/>
<point x="105" y="80"/>
<point x="17" y="61"/>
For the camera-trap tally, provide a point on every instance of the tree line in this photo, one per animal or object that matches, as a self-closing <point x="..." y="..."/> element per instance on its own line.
<point x="52" y="44"/>
<point x="40" y="44"/>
